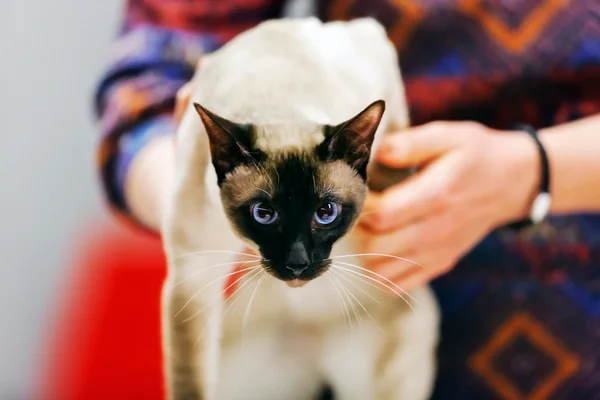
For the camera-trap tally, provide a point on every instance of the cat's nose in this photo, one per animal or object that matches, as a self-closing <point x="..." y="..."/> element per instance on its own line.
<point x="297" y="269"/>
<point x="297" y="260"/>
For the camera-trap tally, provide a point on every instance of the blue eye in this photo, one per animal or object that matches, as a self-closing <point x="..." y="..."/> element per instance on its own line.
<point x="263" y="214"/>
<point x="327" y="213"/>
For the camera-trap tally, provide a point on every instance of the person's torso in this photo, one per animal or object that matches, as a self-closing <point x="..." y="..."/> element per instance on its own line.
<point x="522" y="310"/>
<point x="492" y="61"/>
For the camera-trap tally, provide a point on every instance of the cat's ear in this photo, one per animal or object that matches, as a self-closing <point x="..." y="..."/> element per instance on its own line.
<point x="351" y="141"/>
<point x="230" y="142"/>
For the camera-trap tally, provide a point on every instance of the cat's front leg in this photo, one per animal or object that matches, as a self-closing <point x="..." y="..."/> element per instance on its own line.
<point x="180" y="373"/>
<point x="406" y="364"/>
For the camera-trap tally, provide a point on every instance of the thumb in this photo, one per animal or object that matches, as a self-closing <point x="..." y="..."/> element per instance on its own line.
<point x="416" y="146"/>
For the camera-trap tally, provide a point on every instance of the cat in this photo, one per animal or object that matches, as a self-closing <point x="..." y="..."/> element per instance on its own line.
<point x="273" y="154"/>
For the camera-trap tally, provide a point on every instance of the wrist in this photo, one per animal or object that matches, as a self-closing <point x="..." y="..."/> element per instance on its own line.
<point x="573" y="150"/>
<point x="523" y="165"/>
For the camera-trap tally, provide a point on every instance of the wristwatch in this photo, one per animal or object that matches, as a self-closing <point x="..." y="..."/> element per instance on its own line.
<point x="541" y="203"/>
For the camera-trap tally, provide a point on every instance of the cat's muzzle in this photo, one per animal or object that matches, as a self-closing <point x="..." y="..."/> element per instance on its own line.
<point x="297" y="275"/>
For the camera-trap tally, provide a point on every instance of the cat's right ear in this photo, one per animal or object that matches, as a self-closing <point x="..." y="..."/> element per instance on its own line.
<point x="230" y="142"/>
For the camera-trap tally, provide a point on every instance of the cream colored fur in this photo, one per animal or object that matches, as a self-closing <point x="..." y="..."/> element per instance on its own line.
<point x="293" y="341"/>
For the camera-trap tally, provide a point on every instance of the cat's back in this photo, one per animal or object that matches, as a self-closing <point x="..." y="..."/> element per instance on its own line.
<point x="297" y="69"/>
<point x="310" y="37"/>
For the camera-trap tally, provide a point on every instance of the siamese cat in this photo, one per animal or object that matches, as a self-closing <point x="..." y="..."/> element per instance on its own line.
<point x="273" y="155"/>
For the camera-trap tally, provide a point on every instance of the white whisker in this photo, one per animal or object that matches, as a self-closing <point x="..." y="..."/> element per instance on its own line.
<point x="237" y="293"/>
<point x="202" y="269"/>
<point x="347" y="294"/>
<point x="361" y="278"/>
<point x="340" y="275"/>
<point x="212" y="302"/>
<point x="379" y="276"/>
<point x="265" y="192"/>
<point x="214" y="251"/>
<point x="377" y="255"/>
<point x="354" y="284"/>
<point x="374" y="280"/>
<point x="249" y="306"/>
<point x="212" y="282"/>
<point x="266" y="174"/>
<point x="342" y="302"/>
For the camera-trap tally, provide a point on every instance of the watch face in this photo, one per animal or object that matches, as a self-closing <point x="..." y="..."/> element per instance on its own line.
<point x="540" y="208"/>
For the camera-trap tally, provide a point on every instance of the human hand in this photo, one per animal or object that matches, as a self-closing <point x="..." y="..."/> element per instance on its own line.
<point x="472" y="180"/>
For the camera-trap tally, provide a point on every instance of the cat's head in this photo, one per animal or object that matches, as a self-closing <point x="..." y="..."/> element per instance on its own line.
<point x="294" y="203"/>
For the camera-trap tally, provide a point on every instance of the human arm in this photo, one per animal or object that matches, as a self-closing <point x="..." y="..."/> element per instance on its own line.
<point x="153" y="57"/>
<point x="574" y="155"/>
<point x="473" y="180"/>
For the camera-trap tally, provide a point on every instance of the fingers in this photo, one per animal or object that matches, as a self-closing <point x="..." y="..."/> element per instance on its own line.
<point x="394" y="275"/>
<point x="415" y="280"/>
<point x="409" y="201"/>
<point x="416" y="146"/>
<point x="418" y="253"/>
<point x="397" y="206"/>
<point x="411" y="277"/>
<point x="421" y="194"/>
<point x="400" y="242"/>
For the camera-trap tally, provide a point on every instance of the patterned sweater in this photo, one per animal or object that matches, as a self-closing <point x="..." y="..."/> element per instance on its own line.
<point x="521" y="312"/>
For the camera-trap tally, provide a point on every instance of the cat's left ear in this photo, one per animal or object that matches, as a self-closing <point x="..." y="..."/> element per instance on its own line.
<point x="351" y="141"/>
<point x="230" y="142"/>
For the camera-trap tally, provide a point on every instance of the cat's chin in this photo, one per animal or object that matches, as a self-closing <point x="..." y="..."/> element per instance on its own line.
<point x="296" y="283"/>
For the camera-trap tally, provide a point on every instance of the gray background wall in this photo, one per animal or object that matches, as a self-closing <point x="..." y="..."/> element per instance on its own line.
<point x="51" y="55"/>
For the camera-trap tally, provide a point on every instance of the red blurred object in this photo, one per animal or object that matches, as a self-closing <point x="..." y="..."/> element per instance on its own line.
<point x="105" y="338"/>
